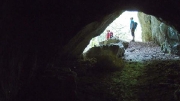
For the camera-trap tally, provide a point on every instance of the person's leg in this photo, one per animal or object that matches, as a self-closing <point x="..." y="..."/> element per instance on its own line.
<point x="132" y="33"/>
<point x="133" y="36"/>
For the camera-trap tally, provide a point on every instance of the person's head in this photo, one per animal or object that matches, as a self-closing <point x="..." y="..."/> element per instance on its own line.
<point x="108" y="30"/>
<point x="131" y="18"/>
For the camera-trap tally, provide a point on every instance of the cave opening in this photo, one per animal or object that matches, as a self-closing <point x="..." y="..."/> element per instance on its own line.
<point x="154" y="39"/>
<point x="147" y="64"/>
<point x="117" y="80"/>
<point x="120" y="28"/>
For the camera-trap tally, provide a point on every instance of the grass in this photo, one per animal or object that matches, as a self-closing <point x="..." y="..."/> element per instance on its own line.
<point x="130" y="81"/>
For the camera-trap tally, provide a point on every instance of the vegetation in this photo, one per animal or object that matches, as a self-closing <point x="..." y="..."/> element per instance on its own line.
<point x="130" y="81"/>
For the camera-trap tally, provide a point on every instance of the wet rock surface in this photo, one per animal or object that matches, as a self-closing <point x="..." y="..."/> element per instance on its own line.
<point x="145" y="51"/>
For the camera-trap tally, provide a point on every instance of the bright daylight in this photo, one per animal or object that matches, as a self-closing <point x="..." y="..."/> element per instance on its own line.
<point x="120" y="28"/>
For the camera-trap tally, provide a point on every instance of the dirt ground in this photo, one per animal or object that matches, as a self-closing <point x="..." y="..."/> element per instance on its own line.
<point x="138" y="79"/>
<point x="141" y="51"/>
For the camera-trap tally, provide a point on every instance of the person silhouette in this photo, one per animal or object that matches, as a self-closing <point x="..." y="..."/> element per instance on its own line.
<point x="132" y="28"/>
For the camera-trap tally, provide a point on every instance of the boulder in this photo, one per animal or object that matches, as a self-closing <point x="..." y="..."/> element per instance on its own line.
<point x="114" y="41"/>
<point x="108" y="42"/>
<point x="165" y="47"/>
<point x="115" y="49"/>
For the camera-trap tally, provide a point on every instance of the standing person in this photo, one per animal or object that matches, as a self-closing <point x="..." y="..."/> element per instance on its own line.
<point x="111" y="34"/>
<point x="108" y="34"/>
<point x="132" y="27"/>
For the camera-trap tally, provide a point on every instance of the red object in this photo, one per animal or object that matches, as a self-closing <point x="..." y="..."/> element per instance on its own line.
<point x="108" y="35"/>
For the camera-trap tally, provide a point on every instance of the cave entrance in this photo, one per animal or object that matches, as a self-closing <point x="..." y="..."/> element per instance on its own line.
<point x="120" y="28"/>
<point x="158" y="38"/>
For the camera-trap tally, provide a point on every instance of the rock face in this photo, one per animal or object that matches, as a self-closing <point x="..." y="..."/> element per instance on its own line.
<point x="160" y="33"/>
<point x="113" y="42"/>
<point x="111" y="46"/>
<point x="104" y="50"/>
<point x="38" y="35"/>
<point x="91" y="30"/>
<point x="145" y="21"/>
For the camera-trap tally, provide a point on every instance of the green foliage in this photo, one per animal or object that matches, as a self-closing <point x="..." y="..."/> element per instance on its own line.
<point x="111" y="79"/>
<point x="129" y="79"/>
<point x="159" y="80"/>
<point x="82" y="66"/>
<point x="107" y="63"/>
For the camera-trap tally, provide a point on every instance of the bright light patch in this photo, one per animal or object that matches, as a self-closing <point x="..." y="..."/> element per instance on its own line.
<point x="120" y="28"/>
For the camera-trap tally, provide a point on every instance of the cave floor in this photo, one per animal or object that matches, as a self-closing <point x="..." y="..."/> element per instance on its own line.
<point x="136" y="81"/>
<point x="147" y="75"/>
<point x="146" y="51"/>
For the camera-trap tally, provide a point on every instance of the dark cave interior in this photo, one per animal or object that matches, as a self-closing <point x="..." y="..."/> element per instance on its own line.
<point x="34" y="34"/>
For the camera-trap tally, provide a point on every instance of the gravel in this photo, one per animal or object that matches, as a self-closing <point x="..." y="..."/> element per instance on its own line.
<point x="145" y="51"/>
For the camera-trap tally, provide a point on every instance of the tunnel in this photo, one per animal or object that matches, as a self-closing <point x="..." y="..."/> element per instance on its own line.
<point x="42" y="43"/>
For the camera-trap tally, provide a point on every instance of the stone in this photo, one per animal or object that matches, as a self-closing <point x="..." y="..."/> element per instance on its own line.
<point x="132" y="50"/>
<point x="159" y="32"/>
<point x="114" y="49"/>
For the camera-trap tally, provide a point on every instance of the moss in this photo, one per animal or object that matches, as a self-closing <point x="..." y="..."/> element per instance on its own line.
<point x="134" y="81"/>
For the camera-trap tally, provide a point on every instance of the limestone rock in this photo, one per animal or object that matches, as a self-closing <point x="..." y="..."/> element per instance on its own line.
<point x="115" y="49"/>
<point x="113" y="41"/>
<point x="161" y="33"/>
<point x="145" y="21"/>
<point x="108" y="42"/>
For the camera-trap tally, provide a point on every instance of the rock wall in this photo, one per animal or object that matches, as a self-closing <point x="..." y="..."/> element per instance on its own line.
<point x="145" y="21"/>
<point x="76" y="46"/>
<point x="160" y="33"/>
